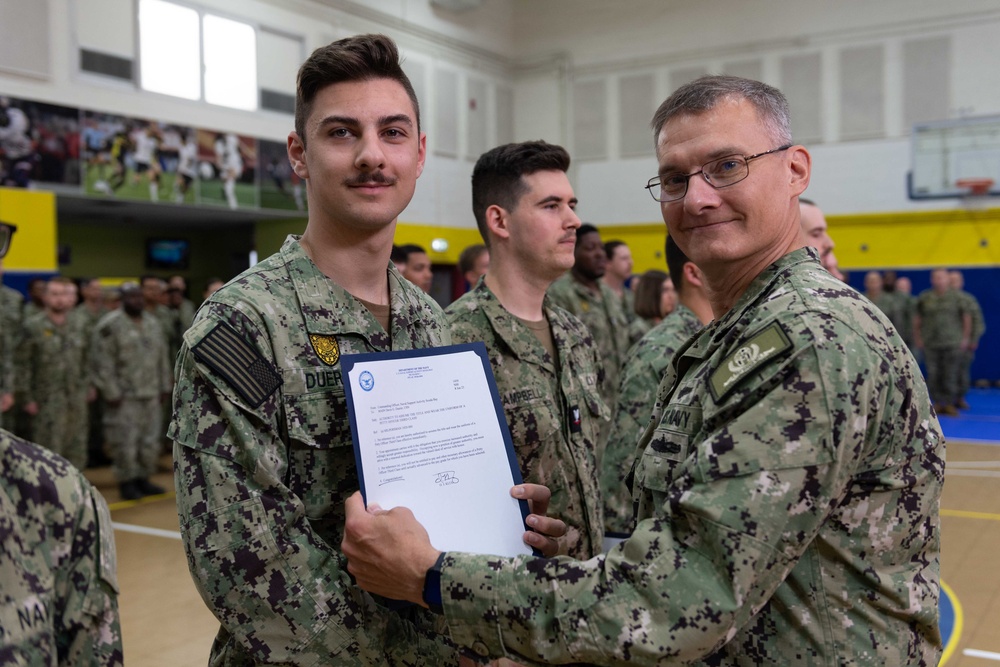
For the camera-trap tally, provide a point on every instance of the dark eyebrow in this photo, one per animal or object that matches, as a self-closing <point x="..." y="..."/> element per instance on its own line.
<point x="555" y="199"/>
<point x="400" y="118"/>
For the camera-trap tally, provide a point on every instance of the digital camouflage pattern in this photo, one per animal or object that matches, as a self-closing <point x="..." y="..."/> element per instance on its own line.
<point x="637" y="328"/>
<point x="605" y="318"/>
<point x="553" y="406"/>
<point x="11" y="304"/>
<point x="967" y="356"/>
<point x="941" y="318"/>
<point x="264" y="462"/>
<point x="644" y="367"/>
<point x="58" y="587"/>
<point x="129" y="366"/>
<point x="788" y="493"/>
<point x="51" y="363"/>
<point x="941" y="330"/>
<point x="893" y="304"/>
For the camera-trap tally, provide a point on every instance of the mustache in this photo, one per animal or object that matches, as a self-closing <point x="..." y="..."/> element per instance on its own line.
<point x="376" y="177"/>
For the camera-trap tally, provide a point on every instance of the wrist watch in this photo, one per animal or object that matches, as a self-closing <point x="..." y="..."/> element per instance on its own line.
<point x="432" y="586"/>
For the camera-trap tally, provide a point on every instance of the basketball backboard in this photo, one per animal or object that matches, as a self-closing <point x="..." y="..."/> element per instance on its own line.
<point x="945" y="152"/>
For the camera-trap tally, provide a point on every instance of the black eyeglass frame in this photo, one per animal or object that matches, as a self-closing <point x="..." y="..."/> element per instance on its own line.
<point x="6" y="234"/>
<point x="656" y="180"/>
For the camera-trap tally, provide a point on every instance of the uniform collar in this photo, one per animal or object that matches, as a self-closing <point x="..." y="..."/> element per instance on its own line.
<point x="521" y="341"/>
<point x="761" y="285"/>
<point x="327" y="308"/>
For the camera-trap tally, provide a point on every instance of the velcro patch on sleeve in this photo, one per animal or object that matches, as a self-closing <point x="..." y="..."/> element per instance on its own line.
<point x="238" y="363"/>
<point x="764" y="346"/>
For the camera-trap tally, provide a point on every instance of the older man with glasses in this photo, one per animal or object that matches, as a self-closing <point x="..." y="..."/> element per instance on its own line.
<point x="787" y="485"/>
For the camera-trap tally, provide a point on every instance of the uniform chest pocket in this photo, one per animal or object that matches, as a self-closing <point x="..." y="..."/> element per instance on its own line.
<point x="532" y="423"/>
<point x="321" y="466"/>
<point x="26" y="631"/>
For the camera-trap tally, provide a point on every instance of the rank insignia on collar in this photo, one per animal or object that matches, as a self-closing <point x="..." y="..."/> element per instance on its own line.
<point x="326" y="348"/>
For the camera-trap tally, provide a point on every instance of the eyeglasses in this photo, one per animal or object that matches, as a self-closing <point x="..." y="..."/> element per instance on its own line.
<point x="6" y="232"/>
<point x="720" y="173"/>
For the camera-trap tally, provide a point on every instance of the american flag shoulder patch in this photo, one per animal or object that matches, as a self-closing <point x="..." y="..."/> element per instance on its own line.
<point x="238" y="363"/>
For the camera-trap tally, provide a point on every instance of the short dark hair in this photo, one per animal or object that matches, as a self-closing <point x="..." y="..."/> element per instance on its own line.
<point x="611" y="246"/>
<point x="357" y="58"/>
<point x="676" y="259"/>
<point x="583" y="230"/>
<point x="408" y="249"/>
<point x="467" y="260"/>
<point x="397" y="256"/>
<point x="496" y="178"/>
<point x="704" y="93"/>
<point x="647" y="294"/>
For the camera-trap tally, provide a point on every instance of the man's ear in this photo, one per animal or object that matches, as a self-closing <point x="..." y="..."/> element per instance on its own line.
<point x="800" y="169"/>
<point x="497" y="222"/>
<point x="693" y="275"/>
<point x="297" y="155"/>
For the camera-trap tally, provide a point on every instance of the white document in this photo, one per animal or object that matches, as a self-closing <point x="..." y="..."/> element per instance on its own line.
<point x="430" y="435"/>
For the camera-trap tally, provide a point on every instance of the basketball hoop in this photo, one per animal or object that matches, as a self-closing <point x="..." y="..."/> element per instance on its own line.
<point x="978" y="192"/>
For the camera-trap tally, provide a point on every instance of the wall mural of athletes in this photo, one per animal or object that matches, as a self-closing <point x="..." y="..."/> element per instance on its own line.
<point x="39" y="143"/>
<point x="111" y="155"/>
<point x="279" y="186"/>
<point x="227" y="167"/>
<point x="138" y="159"/>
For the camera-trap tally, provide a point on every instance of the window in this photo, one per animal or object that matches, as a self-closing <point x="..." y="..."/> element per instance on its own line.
<point x="179" y="44"/>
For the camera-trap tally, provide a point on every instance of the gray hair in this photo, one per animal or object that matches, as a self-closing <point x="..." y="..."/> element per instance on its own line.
<point x="705" y="93"/>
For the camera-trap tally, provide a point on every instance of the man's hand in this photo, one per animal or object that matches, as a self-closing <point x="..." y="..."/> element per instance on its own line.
<point x="388" y="552"/>
<point x="544" y="530"/>
<point x="6" y="401"/>
<point x="31" y="408"/>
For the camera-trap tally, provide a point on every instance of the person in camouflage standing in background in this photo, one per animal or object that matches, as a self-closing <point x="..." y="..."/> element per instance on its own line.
<point x="957" y="281"/>
<point x="543" y="358"/>
<point x="10" y="327"/>
<point x="790" y="476"/>
<point x="642" y="371"/>
<point x="942" y="328"/>
<point x="581" y="292"/>
<point x="52" y="375"/>
<point x="130" y="368"/>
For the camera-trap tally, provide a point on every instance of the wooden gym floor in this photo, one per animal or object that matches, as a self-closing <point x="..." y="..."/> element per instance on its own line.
<point x="165" y="623"/>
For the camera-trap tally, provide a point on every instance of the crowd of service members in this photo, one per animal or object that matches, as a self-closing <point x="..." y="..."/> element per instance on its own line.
<point x="88" y="367"/>
<point x="87" y="370"/>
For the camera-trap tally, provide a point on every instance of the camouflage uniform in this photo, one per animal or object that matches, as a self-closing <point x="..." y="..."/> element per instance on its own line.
<point x="788" y="492"/>
<point x="941" y="331"/>
<point x="978" y="329"/>
<point x="644" y="368"/>
<point x="540" y="397"/>
<point x="11" y="308"/>
<point x="87" y="320"/>
<point x="58" y="588"/>
<point x="264" y="461"/>
<point x="52" y="372"/>
<point x="608" y="325"/>
<point x="129" y="364"/>
<point x="628" y="305"/>
<point x="637" y="328"/>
